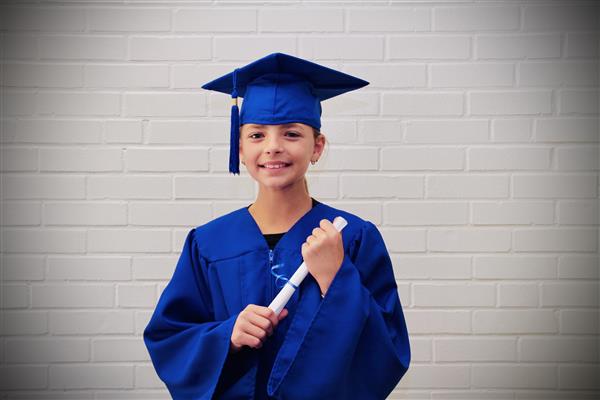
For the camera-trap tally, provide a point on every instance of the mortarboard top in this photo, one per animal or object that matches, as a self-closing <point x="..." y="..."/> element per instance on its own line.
<point x="279" y="89"/>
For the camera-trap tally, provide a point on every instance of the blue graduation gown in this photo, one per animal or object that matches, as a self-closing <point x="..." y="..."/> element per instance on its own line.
<point x="351" y="344"/>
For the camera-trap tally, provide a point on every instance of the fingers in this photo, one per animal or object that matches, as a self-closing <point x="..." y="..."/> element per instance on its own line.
<point x="283" y="314"/>
<point x="325" y="231"/>
<point x="245" y="329"/>
<point x="254" y="325"/>
<point x="328" y="227"/>
<point x="269" y="314"/>
<point x="261" y="326"/>
<point x="245" y="339"/>
<point x="261" y="323"/>
<point x="322" y="231"/>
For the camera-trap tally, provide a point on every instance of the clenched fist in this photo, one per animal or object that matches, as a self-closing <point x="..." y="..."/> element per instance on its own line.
<point x="323" y="253"/>
<point x="253" y="326"/>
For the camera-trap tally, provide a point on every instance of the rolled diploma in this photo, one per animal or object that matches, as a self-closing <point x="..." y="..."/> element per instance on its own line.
<point x="288" y="290"/>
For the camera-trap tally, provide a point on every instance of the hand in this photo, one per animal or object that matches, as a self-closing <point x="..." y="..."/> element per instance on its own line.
<point x="323" y="253"/>
<point x="253" y="326"/>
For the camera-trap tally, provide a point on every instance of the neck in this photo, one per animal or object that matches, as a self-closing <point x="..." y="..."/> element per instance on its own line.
<point x="276" y="211"/>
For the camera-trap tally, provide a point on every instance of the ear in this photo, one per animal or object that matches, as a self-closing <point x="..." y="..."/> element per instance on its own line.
<point x="319" y="145"/>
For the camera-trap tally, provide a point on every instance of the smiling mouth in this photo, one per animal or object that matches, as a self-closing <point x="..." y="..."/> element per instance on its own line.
<point x="274" y="166"/>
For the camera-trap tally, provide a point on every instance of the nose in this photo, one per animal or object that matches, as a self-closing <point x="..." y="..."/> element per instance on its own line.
<point x="273" y="144"/>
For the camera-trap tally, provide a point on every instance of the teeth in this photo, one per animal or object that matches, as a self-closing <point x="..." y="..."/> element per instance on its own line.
<point x="276" y="166"/>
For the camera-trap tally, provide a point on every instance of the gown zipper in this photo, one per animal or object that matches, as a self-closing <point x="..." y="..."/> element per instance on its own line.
<point x="271" y="291"/>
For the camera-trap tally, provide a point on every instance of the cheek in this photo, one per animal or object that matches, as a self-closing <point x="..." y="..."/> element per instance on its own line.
<point x="248" y="151"/>
<point x="300" y="149"/>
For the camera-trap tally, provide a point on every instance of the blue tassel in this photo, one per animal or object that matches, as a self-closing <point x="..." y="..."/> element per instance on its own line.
<point x="234" y="141"/>
<point x="234" y="137"/>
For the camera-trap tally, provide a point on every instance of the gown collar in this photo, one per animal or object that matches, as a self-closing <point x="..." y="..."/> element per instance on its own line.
<point x="295" y="236"/>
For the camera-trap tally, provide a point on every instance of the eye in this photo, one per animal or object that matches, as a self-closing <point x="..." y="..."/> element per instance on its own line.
<point x="293" y="133"/>
<point x="251" y="136"/>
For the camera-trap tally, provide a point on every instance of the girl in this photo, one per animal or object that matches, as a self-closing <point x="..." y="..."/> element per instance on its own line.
<point x="342" y="334"/>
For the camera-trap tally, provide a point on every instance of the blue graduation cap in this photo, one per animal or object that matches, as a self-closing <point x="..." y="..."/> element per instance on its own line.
<point x="279" y="89"/>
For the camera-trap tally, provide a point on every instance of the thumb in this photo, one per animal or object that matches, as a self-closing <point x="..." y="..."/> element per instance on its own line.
<point x="283" y="314"/>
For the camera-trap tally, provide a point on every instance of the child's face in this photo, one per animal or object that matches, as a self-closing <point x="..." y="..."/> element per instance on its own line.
<point x="289" y="148"/>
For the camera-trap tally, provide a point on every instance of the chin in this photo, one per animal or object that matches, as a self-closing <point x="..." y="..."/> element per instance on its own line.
<point x="279" y="183"/>
<point x="276" y="185"/>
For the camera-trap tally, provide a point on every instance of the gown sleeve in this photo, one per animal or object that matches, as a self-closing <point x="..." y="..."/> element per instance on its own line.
<point x="354" y="343"/>
<point x="188" y="348"/>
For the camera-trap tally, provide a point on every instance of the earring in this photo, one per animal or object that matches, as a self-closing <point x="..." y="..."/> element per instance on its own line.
<point x="313" y="162"/>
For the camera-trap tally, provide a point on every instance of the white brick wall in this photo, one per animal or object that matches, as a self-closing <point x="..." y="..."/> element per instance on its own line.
<point x="474" y="149"/>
